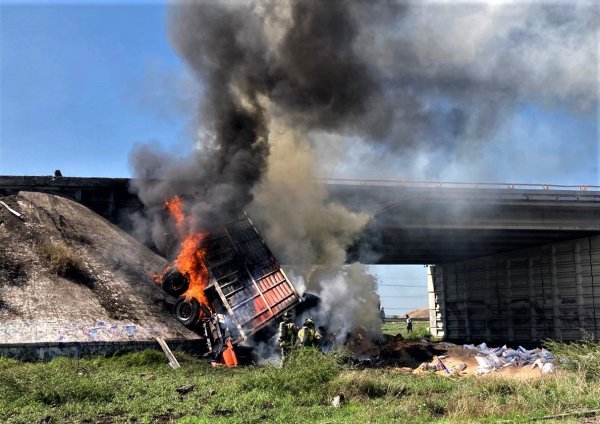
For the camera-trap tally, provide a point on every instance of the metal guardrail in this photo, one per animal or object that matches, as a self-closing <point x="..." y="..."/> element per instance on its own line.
<point x="13" y="180"/>
<point x="403" y="320"/>
<point x="459" y="184"/>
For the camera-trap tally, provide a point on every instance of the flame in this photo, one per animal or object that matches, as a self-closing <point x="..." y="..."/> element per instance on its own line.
<point x="175" y="208"/>
<point x="191" y="256"/>
<point x="190" y="262"/>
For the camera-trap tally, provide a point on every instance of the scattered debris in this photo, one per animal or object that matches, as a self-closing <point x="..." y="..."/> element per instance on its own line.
<point x="590" y="413"/>
<point x="212" y="392"/>
<point x="426" y="367"/>
<point x="185" y="389"/>
<point x="338" y="401"/>
<point x="360" y="344"/>
<point x="439" y="365"/>
<point x="548" y="368"/>
<point x="451" y="360"/>
<point x="172" y="360"/>
<point x="222" y="411"/>
<point x="11" y="210"/>
<point x="492" y="359"/>
<point x="459" y="367"/>
<point x="147" y="376"/>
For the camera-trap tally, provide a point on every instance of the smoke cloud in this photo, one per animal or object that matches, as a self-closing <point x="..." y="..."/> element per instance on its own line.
<point x="291" y="90"/>
<point x="311" y="232"/>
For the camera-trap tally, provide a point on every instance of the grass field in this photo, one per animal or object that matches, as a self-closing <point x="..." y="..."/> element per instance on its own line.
<point x="420" y="330"/>
<point x="141" y="388"/>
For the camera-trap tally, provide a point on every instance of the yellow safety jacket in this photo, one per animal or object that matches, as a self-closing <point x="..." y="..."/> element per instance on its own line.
<point x="287" y="334"/>
<point x="309" y="337"/>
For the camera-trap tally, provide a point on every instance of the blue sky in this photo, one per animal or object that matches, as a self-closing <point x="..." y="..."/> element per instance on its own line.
<point x="74" y="81"/>
<point x="81" y="85"/>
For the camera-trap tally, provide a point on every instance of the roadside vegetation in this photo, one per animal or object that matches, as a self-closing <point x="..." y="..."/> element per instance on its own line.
<point x="142" y="388"/>
<point x="61" y="259"/>
<point x="63" y="262"/>
<point x="420" y="330"/>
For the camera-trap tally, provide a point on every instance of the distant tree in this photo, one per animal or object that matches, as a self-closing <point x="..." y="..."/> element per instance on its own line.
<point x="382" y="313"/>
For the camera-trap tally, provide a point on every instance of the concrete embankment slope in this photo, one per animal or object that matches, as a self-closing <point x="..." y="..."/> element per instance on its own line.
<point x="70" y="279"/>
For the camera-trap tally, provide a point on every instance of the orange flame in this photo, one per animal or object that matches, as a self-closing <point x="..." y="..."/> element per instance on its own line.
<point x="175" y="208"/>
<point x="190" y="259"/>
<point x="190" y="262"/>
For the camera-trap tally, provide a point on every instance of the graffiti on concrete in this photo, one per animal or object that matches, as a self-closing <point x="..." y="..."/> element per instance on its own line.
<point x="64" y="331"/>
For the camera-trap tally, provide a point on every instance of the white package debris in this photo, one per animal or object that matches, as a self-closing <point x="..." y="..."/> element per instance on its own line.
<point x="490" y="359"/>
<point x="548" y="368"/>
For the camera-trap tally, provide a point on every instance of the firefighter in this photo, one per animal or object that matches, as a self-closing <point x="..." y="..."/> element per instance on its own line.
<point x="308" y="336"/>
<point x="287" y="336"/>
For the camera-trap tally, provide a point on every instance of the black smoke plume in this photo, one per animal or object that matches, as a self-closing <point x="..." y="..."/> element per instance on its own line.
<point x="401" y="77"/>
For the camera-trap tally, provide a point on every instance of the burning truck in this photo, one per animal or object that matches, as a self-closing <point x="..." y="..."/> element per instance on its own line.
<point x="227" y="283"/>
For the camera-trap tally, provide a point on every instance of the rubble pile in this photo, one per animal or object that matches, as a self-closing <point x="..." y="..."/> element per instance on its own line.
<point x="447" y="359"/>
<point x="359" y="343"/>
<point x="493" y="359"/>
<point x="481" y="360"/>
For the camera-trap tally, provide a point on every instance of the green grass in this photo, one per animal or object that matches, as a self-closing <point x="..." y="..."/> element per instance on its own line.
<point x="582" y="357"/>
<point x="420" y="330"/>
<point x="141" y="388"/>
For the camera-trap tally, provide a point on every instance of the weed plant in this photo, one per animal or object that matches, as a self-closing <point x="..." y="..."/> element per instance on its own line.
<point x="63" y="262"/>
<point x="581" y="357"/>
<point x="61" y="259"/>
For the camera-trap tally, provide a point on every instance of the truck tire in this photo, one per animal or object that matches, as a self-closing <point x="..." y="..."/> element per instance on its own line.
<point x="186" y="311"/>
<point x="175" y="283"/>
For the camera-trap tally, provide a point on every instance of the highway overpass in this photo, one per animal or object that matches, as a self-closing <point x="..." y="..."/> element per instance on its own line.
<point x="413" y="222"/>
<point x="432" y="223"/>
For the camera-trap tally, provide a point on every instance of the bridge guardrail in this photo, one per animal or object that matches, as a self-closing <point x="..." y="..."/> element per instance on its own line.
<point x="460" y="184"/>
<point x="14" y="180"/>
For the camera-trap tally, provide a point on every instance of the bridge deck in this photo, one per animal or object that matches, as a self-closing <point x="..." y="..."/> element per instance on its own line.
<point x="414" y="222"/>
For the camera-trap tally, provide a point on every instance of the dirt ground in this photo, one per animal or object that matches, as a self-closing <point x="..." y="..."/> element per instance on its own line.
<point x="406" y="356"/>
<point x="419" y="313"/>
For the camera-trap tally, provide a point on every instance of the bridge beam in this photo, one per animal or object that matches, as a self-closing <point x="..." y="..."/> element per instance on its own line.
<point x="412" y="223"/>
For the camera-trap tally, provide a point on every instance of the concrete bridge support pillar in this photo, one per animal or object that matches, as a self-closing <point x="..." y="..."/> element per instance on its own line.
<point x="437" y="303"/>
<point x="519" y="297"/>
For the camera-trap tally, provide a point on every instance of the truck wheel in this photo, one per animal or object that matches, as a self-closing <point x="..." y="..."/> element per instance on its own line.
<point x="175" y="283"/>
<point x="186" y="311"/>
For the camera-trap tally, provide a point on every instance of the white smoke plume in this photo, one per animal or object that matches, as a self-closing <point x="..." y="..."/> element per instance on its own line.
<point x="349" y="300"/>
<point x="306" y="229"/>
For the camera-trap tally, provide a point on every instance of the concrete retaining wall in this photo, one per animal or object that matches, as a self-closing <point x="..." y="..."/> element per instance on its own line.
<point x="47" y="351"/>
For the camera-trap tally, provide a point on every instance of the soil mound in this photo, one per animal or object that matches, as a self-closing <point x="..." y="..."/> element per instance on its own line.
<point x="67" y="274"/>
<point x="419" y="313"/>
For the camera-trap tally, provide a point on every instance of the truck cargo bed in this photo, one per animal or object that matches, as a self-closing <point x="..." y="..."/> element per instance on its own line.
<point x="247" y="282"/>
<point x="244" y="288"/>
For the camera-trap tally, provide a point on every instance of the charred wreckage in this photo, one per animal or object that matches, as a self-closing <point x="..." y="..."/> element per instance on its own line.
<point x="228" y="283"/>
